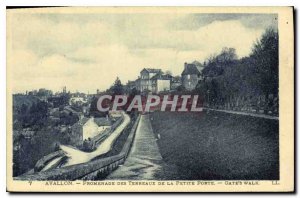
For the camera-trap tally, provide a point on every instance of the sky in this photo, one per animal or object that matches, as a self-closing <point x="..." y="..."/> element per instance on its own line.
<point x="86" y="52"/>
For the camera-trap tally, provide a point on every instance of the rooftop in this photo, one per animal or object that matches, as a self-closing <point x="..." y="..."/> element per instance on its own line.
<point x="151" y="70"/>
<point x="102" y="121"/>
<point x="190" y="69"/>
<point x="162" y="77"/>
<point x="83" y="120"/>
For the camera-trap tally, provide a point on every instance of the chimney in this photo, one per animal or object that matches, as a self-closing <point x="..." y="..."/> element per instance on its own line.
<point x="185" y="65"/>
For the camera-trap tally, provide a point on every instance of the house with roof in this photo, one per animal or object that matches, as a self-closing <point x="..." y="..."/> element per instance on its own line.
<point x="191" y="75"/>
<point x="87" y="128"/>
<point x="145" y="82"/>
<point x="161" y="82"/>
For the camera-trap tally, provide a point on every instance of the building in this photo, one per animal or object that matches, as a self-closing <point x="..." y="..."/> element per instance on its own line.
<point x="87" y="128"/>
<point x="130" y="86"/>
<point x="191" y="75"/>
<point x="176" y="82"/>
<point x="161" y="82"/>
<point x="77" y="100"/>
<point x="155" y="81"/>
<point x="114" y="115"/>
<point x="71" y="111"/>
<point x="94" y="126"/>
<point x="145" y="82"/>
<point x="138" y="84"/>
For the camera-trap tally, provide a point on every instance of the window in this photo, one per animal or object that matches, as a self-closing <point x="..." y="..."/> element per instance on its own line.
<point x="189" y="77"/>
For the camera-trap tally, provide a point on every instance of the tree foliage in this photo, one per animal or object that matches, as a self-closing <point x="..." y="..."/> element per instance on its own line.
<point x="117" y="88"/>
<point x="216" y="64"/>
<point x="265" y="61"/>
<point x="227" y="77"/>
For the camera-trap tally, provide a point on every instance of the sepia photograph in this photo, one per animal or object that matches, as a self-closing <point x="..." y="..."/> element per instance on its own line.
<point x="150" y="99"/>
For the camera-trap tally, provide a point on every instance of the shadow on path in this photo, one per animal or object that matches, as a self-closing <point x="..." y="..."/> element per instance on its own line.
<point x="144" y="161"/>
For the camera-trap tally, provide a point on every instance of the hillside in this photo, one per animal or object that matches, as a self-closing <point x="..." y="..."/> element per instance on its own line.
<point x="218" y="145"/>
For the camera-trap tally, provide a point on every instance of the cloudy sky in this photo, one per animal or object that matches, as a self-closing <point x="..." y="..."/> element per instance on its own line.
<point x="86" y="52"/>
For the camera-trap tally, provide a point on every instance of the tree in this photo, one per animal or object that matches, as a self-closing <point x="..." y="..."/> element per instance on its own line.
<point x="94" y="110"/>
<point x="217" y="64"/>
<point x="227" y="55"/>
<point x="231" y="81"/>
<point x="168" y="72"/>
<point x="265" y="58"/>
<point x="24" y="108"/>
<point x="117" y="88"/>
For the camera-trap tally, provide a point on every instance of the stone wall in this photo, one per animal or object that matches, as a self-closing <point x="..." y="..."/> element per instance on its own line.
<point x="44" y="160"/>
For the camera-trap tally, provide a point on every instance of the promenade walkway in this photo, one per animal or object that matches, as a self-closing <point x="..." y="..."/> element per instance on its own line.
<point x="144" y="159"/>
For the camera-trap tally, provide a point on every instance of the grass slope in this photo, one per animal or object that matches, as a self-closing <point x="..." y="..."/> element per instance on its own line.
<point x="218" y="145"/>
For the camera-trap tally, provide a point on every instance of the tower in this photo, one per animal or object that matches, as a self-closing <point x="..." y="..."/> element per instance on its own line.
<point x="64" y="89"/>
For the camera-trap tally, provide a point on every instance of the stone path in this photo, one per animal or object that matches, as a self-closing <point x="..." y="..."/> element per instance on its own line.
<point x="144" y="159"/>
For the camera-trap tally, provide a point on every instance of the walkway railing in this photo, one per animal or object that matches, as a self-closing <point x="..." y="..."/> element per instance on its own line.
<point x="245" y="113"/>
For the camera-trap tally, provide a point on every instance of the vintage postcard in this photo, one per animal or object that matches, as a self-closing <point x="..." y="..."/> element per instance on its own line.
<point x="150" y="99"/>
